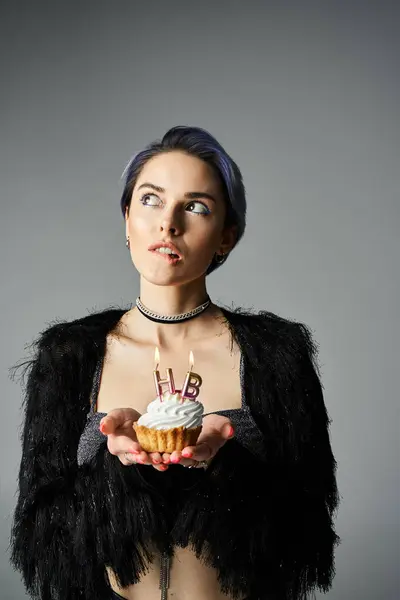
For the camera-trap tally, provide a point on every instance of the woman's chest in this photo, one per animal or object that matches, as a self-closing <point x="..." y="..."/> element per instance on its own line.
<point x="127" y="377"/>
<point x="189" y="578"/>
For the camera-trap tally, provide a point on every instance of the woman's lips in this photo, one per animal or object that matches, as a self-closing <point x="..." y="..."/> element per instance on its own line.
<point x="172" y="260"/>
<point x="165" y="244"/>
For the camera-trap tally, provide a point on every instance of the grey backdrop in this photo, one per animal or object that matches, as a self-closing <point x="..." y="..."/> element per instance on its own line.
<point x="305" y="97"/>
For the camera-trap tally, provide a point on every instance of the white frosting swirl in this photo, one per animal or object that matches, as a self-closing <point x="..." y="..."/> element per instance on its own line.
<point x="172" y="412"/>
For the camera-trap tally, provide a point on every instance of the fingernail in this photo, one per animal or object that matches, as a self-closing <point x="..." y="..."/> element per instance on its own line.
<point x="175" y="460"/>
<point x="187" y="454"/>
<point x="167" y="461"/>
<point x="163" y="467"/>
<point x="231" y="431"/>
<point x="156" y="461"/>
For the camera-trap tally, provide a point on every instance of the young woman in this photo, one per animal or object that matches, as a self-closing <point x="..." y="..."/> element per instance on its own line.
<point x="247" y="512"/>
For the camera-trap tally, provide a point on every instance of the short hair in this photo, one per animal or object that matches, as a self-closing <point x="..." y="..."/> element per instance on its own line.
<point x="200" y="143"/>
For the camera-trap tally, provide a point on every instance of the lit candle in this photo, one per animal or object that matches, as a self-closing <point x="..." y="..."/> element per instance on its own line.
<point x="193" y="381"/>
<point x="160" y="382"/>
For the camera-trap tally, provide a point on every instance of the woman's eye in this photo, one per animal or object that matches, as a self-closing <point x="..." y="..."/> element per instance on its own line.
<point x="146" y="202"/>
<point x="198" y="208"/>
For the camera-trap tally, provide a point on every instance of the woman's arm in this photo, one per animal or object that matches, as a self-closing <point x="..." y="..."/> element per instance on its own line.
<point x="47" y="505"/>
<point x="312" y="493"/>
<point x="298" y="465"/>
<point x="67" y="523"/>
<point x="317" y="455"/>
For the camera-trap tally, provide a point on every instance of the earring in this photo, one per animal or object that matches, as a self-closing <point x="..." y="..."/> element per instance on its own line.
<point x="220" y="258"/>
<point x="128" y="245"/>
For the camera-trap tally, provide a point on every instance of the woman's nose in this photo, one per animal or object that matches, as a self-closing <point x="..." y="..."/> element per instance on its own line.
<point x="170" y="224"/>
<point x="170" y="229"/>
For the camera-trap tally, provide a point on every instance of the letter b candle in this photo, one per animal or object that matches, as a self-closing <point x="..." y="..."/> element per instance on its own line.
<point x="193" y="381"/>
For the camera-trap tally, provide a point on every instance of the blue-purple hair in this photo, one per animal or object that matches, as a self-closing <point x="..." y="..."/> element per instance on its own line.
<point x="200" y="143"/>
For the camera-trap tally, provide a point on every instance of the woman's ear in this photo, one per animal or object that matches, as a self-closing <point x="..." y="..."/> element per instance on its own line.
<point x="127" y="222"/>
<point x="229" y="237"/>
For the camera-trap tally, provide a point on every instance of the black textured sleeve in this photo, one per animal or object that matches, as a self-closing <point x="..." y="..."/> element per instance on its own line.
<point x="312" y="496"/>
<point x="47" y="504"/>
<point x="71" y="520"/>
<point x="315" y="453"/>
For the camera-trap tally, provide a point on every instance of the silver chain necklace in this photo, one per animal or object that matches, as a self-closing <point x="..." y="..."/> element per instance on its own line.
<point x="153" y="316"/>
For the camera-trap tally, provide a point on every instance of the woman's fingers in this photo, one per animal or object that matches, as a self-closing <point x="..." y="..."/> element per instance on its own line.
<point x="216" y="431"/>
<point x="175" y="457"/>
<point x="118" y="418"/>
<point x="203" y="451"/>
<point x="143" y="458"/>
<point x="121" y="436"/>
<point x="118" y="444"/>
<point x="212" y="437"/>
<point x="161" y="467"/>
<point x="166" y="458"/>
<point x="127" y="458"/>
<point x="193" y="453"/>
<point x="155" y="458"/>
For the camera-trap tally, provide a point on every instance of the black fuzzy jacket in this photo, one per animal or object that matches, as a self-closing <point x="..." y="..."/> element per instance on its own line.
<point x="265" y="524"/>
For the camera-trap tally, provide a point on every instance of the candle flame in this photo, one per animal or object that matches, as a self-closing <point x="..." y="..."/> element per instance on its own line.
<point x="191" y="360"/>
<point x="156" y="358"/>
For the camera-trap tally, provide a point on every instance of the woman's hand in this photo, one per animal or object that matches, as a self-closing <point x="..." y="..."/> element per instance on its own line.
<point x="117" y="425"/>
<point x="216" y="431"/>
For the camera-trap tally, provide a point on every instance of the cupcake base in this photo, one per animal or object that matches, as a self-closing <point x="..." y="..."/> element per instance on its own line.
<point x="166" y="440"/>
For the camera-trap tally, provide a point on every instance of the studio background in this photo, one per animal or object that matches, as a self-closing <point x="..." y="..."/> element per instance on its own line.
<point x="304" y="96"/>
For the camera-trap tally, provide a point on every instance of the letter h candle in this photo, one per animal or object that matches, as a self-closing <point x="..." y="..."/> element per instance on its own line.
<point x="160" y="382"/>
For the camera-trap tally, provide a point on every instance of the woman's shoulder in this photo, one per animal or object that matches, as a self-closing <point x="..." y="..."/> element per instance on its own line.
<point x="268" y="322"/>
<point x="271" y="338"/>
<point x="92" y="327"/>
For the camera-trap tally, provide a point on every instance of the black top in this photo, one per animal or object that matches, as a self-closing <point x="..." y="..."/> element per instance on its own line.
<point x="92" y="439"/>
<point x="263" y="521"/>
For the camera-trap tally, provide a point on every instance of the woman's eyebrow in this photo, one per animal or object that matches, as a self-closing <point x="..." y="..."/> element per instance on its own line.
<point x="189" y="195"/>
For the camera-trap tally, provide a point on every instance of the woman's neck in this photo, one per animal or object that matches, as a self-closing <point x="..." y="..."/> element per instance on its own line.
<point x="172" y="301"/>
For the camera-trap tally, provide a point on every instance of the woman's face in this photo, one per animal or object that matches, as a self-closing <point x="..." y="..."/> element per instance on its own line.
<point x="177" y="199"/>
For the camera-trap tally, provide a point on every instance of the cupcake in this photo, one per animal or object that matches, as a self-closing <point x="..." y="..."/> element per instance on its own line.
<point x="170" y="423"/>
